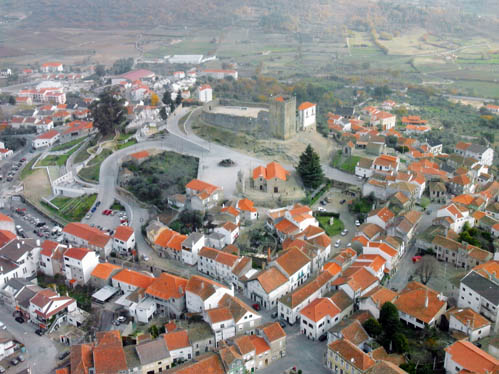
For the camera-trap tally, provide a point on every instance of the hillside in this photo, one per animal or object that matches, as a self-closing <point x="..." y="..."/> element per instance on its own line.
<point x="461" y="16"/>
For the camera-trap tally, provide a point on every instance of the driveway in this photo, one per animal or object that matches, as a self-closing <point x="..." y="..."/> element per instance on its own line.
<point x="41" y="351"/>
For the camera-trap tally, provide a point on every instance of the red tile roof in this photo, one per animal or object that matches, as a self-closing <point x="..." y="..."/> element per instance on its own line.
<point x="271" y="171"/>
<point x="167" y="286"/>
<point x="472" y="358"/>
<point x="133" y="278"/>
<point x="352" y="354"/>
<point x="104" y="270"/>
<point x="123" y="233"/>
<point x="176" y="340"/>
<point x="305" y="105"/>
<point x="77" y="253"/>
<point x="320" y="308"/>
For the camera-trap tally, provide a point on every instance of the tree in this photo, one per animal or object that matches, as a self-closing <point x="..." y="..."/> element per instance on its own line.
<point x="400" y="343"/>
<point x="178" y="99"/>
<point x="154" y="99"/>
<point x="163" y="114"/>
<point x="391" y="141"/>
<point x="153" y="330"/>
<point x="309" y="168"/>
<point x="427" y="267"/>
<point x="167" y="97"/>
<point x="389" y="319"/>
<point x="108" y="112"/>
<point x="424" y="202"/>
<point x="100" y="70"/>
<point x="12" y="100"/>
<point x="373" y="327"/>
<point x="122" y="65"/>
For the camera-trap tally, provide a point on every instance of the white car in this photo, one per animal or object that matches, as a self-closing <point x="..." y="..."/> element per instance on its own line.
<point x="2" y="326"/>
<point x="349" y="245"/>
<point x="321" y="209"/>
<point x="357" y="223"/>
<point x="337" y="244"/>
<point x="344" y="232"/>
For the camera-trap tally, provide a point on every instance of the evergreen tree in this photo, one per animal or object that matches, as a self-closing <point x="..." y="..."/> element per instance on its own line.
<point x="389" y="319"/>
<point x="108" y="112"/>
<point x="310" y="169"/>
<point x="163" y="114"/>
<point x="167" y="98"/>
<point x="178" y="99"/>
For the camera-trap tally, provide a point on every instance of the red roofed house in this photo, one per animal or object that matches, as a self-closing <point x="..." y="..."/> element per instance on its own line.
<point x="47" y="304"/>
<point x="386" y="164"/>
<point x="124" y="239"/>
<point x="457" y="215"/>
<point x="205" y="93"/>
<point x="230" y="231"/>
<point x="168" y="291"/>
<point x="347" y="357"/>
<point x="178" y="345"/>
<point x="52" y="67"/>
<point x="79" y="264"/>
<point x="51" y="258"/>
<point x="83" y="235"/>
<point x="306" y="115"/>
<point x="76" y="129"/>
<point x="381" y="217"/>
<point x="7" y="223"/>
<point x="318" y="317"/>
<point x="247" y="209"/>
<point x="413" y="120"/>
<point x="202" y="195"/>
<point x="217" y="264"/>
<point x="469" y="322"/>
<point x="46" y="139"/>
<point x="271" y="179"/>
<point x="130" y="280"/>
<point x="464" y="357"/>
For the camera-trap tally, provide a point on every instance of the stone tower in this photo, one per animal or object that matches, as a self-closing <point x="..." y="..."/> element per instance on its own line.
<point x="282" y="117"/>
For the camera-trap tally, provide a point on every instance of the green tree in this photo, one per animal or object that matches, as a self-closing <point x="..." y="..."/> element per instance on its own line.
<point x="153" y="330"/>
<point x="400" y="343"/>
<point x="108" y="112"/>
<point x="310" y="169"/>
<point x="178" y="99"/>
<point x="167" y="97"/>
<point x="100" y="70"/>
<point x="373" y="327"/>
<point x="163" y="114"/>
<point x="122" y="65"/>
<point x="389" y="319"/>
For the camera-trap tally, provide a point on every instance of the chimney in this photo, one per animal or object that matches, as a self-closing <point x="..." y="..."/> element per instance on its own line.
<point x="37" y="242"/>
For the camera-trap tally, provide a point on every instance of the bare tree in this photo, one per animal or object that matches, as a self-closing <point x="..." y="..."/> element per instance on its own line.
<point x="427" y="267"/>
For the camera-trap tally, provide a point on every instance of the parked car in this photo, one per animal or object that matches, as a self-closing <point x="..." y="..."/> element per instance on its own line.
<point x="256" y="306"/>
<point x="20" y="358"/>
<point x="342" y="201"/>
<point x="337" y="244"/>
<point x="321" y="209"/>
<point x="274" y="314"/>
<point x="39" y="332"/>
<point x="323" y="337"/>
<point x="357" y="223"/>
<point x="2" y="369"/>
<point x="122" y="319"/>
<point x="344" y="232"/>
<point x="282" y="323"/>
<point x="20" y="319"/>
<point x="145" y="258"/>
<point x="14" y="361"/>
<point x="63" y="355"/>
<point x="416" y="259"/>
<point x="323" y="202"/>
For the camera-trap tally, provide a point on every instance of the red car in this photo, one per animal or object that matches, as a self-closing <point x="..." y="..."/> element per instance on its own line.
<point x="256" y="306"/>
<point x="416" y="259"/>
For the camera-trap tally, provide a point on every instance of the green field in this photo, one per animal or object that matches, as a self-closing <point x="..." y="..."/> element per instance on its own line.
<point x="57" y="160"/>
<point x="72" y="143"/>
<point x="27" y="170"/>
<point x="71" y="209"/>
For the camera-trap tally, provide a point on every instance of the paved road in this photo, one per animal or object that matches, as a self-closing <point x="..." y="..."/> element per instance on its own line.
<point x="41" y="352"/>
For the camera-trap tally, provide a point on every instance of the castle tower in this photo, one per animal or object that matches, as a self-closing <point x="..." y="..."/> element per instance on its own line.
<point x="282" y="117"/>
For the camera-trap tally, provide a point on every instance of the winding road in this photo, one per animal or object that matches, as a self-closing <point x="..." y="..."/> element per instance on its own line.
<point x="188" y="143"/>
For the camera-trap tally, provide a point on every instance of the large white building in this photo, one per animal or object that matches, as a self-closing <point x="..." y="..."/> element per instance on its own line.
<point x="203" y="294"/>
<point x="267" y="287"/>
<point x="307" y="115"/>
<point x="46" y="139"/>
<point x="205" y="93"/>
<point x="79" y="264"/>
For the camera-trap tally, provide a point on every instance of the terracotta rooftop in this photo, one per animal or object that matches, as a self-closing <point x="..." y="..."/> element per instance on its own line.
<point x="472" y="358"/>
<point x="176" y="340"/>
<point x="320" y="308"/>
<point x="271" y="278"/>
<point x="411" y="300"/>
<point x="271" y="171"/>
<point x="167" y="286"/>
<point x="292" y="261"/>
<point x="351" y="354"/>
<point x="133" y="278"/>
<point x="104" y="270"/>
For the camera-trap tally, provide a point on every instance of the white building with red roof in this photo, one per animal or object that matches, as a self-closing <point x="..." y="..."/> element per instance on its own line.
<point x="46" y="139"/>
<point x="217" y="264"/>
<point x="205" y="93"/>
<point x="386" y="164"/>
<point x="83" y="235"/>
<point x="247" y="209"/>
<point x="46" y="304"/>
<point x="79" y="264"/>
<point x="381" y="217"/>
<point x="306" y="115"/>
<point x="464" y="357"/>
<point x="456" y="215"/>
<point x="318" y="317"/>
<point x="52" y="67"/>
<point x="124" y="239"/>
<point x="230" y="231"/>
<point x="51" y="258"/>
<point x="202" y="195"/>
<point x="168" y="291"/>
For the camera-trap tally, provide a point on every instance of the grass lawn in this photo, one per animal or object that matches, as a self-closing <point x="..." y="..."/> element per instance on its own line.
<point x="123" y="137"/>
<point x="127" y="144"/>
<point x="349" y="164"/>
<point x="82" y="154"/>
<point x="117" y="206"/>
<point x="91" y="172"/>
<point x="27" y="170"/>
<point x="72" y="209"/>
<point x="54" y="160"/>
<point x="332" y="230"/>
<point x="72" y="143"/>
